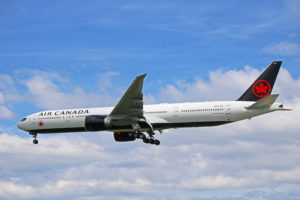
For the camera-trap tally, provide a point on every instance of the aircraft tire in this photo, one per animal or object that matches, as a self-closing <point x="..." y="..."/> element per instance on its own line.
<point x="146" y="140"/>
<point x="35" y="141"/>
<point x="136" y="135"/>
<point x="151" y="141"/>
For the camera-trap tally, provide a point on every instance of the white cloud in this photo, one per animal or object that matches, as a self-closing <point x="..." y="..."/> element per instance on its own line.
<point x="283" y="48"/>
<point x="7" y="93"/>
<point x="91" y="165"/>
<point x="5" y="81"/>
<point x="45" y="93"/>
<point x="1" y="98"/>
<point x="105" y="80"/>
<point x="5" y="113"/>
<point x="8" y="88"/>
<point x="287" y="86"/>
<point x="247" y="157"/>
<point x="227" y="85"/>
<point x="214" y="182"/>
<point x="9" y="190"/>
<point x="288" y="176"/>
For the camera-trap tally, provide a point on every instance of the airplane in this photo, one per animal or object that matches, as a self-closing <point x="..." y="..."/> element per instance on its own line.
<point x="130" y="119"/>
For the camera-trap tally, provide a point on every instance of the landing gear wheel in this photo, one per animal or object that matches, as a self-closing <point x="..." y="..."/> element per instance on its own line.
<point x="151" y="141"/>
<point x="136" y="135"/>
<point x="142" y="136"/>
<point x="157" y="142"/>
<point x="35" y="141"/>
<point x="146" y="140"/>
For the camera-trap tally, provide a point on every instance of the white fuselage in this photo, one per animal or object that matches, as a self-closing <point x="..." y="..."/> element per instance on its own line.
<point x="160" y="116"/>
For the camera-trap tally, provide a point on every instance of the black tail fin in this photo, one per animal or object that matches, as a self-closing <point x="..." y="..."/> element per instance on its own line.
<point x="263" y="85"/>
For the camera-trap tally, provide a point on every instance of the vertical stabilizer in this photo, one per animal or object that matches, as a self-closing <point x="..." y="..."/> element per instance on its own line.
<point x="263" y="85"/>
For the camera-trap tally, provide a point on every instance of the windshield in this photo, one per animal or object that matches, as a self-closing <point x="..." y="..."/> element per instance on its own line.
<point x="23" y="119"/>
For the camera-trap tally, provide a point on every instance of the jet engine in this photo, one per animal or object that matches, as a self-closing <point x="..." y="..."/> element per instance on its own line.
<point x="123" y="136"/>
<point x="97" y="122"/>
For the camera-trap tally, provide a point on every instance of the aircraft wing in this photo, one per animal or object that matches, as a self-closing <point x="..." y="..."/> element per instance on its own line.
<point x="131" y="103"/>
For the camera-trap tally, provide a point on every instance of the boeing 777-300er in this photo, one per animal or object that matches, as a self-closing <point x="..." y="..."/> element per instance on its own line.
<point x="130" y="119"/>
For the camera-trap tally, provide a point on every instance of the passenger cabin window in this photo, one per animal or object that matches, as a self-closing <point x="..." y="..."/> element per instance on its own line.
<point x="23" y="119"/>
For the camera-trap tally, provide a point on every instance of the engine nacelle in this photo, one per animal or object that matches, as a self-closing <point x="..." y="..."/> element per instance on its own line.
<point x="97" y="123"/>
<point x="123" y="136"/>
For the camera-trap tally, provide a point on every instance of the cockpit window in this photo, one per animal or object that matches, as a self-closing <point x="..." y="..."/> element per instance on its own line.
<point x="23" y="119"/>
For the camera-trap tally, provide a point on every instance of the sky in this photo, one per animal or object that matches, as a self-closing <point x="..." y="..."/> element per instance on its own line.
<point x="71" y="54"/>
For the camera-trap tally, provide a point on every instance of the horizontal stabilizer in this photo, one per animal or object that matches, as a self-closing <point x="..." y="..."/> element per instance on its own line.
<point x="264" y="102"/>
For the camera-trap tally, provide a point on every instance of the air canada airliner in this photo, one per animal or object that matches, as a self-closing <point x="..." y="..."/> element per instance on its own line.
<point x="130" y="119"/>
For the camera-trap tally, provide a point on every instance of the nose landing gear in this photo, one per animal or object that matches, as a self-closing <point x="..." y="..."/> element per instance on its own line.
<point x="35" y="141"/>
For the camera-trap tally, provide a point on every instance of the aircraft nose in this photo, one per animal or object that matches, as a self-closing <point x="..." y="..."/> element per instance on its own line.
<point x="21" y="126"/>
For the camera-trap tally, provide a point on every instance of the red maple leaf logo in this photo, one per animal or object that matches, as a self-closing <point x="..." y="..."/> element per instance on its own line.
<point x="261" y="88"/>
<point x="41" y="123"/>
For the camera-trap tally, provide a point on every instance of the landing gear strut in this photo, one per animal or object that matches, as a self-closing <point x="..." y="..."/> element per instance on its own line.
<point x="35" y="141"/>
<point x="142" y="136"/>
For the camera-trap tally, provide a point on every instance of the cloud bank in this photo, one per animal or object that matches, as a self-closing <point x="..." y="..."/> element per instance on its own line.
<point x="283" y="48"/>
<point x="251" y="159"/>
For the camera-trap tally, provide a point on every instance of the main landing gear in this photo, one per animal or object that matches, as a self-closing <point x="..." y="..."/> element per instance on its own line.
<point x="151" y="140"/>
<point x="139" y="135"/>
<point x="35" y="141"/>
<point x="147" y="140"/>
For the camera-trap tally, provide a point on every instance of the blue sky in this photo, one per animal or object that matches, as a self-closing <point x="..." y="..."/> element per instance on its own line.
<point x="67" y="54"/>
